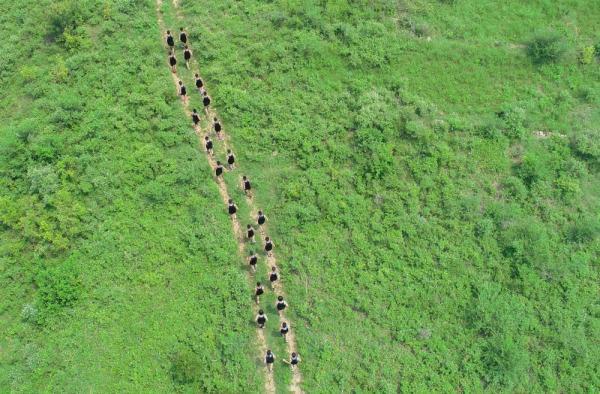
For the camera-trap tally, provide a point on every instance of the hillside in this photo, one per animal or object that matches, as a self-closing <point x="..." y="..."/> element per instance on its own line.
<point x="429" y="170"/>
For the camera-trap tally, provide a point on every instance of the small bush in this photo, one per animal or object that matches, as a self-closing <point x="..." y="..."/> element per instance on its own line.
<point x="587" y="144"/>
<point x="587" y="54"/>
<point x="546" y="47"/>
<point x="58" y="287"/>
<point x="185" y="367"/>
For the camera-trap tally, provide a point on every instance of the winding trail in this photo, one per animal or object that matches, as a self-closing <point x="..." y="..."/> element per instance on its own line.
<point x="237" y="228"/>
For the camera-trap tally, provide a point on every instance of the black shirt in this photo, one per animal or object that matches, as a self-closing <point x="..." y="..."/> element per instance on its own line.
<point x="199" y="83"/>
<point x="206" y="101"/>
<point x="183" y="90"/>
<point x="217" y="127"/>
<point x="195" y="117"/>
<point x="183" y="37"/>
<point x="170" y="41"/>
<point x="219" y="170"/>
<point x="246" y="185"/>
<point x="209" y="145"/>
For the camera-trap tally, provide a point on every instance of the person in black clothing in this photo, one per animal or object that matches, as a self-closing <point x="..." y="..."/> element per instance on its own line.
<point x="261" y="218"/>
<point x="280" y="304"/>
<point x="206" y="101"/>
<point x="187" y="55"/>
<point x="230" y="160"/>
<point x="219" y="169"/>
<point x="246" y="186"/>
<point x="273" y="276"/>
<point x="182" y="36"/>
<point x="195" y="117"/>
<point x="284" y="330"/>
<point x="269" y="360"/>
<point x="261" y="319"/>
<point x="183" y="92"/>
<point x="258" y="291"/>
<point x="268" y="246"/>
<point x="170" y="40"/>
<point x="209" y="145"/>
<point x="294" y="360"/>
<point x="250" y="233"/>
<point x="232" y="208"/>
<point x="173" y="62"/>
<point x="217" y="127"/>
<point x="252" y="260"/>
<point x="199" y="83"/>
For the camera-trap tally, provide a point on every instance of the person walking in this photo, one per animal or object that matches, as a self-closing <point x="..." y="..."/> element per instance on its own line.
<point x="280" y="305"/>
<point x="209" y="145"/>
<point x="217" y="127"/>
<point x="261" y="319"/>
<point x="219" y="169"/>
<point x="231" y="208"/>
<point x="252" y="260"/>
<point x="187" y="55"/>
<point x="269" y="246"/>
<point x="183" y="36"/>
<point x="195" y="117"/>
<point x="199" y="83"/>
<point x="258" y="291"/>
<point x="230" y="160"/>
<point x="269" y="360"/>
<point x="284" y="330"/>
<point x="246" y="186"/>
<point x="273" y="276"/>
<point x="170" y="40"/>
<point x="294" y="360"/>
<point x="173" y="62"/>
<point x="250" y="233"/>
<point x="206" y="101"/>
<point x="183" y="92"/>
<point x="262" y="219"/>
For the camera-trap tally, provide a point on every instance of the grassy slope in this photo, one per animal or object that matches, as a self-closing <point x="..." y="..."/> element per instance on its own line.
<point x="426" y="243"/>
<point x="103" y="187"/>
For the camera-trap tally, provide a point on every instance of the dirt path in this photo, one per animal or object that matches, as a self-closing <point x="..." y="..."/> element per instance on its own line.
<point x="239" y="236"/>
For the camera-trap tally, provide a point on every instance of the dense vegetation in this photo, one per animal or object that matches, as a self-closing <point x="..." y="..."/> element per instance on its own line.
<point x="118" y="272"/>
<point x="432" y="171"/>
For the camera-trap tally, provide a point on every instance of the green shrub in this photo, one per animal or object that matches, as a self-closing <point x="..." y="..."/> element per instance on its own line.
<point x="587" y="54"/>
<point x="584" y="230"/>
<point x="58" y="287"/>
<point x="186" y="367"/>
<point x="546" y="47"/>
<point x="587" y="144"/>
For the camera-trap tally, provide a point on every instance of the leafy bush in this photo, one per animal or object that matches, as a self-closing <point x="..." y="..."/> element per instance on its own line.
<point x="584" y="230"/>
<point x="587" y="144"/>
<point x="587" y="54"/>
<point x="546" y="47"/>
<point x="58" y="287"/>
<point x="185" y="367"/>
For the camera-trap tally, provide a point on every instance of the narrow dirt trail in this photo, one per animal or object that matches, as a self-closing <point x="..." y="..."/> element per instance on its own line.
<point x="239" y="236"/>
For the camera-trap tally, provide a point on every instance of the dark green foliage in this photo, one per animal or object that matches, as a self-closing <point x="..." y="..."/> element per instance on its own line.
<point x="546" y="47"/>
<point x="186" y="367"/>
<point x="58" y="287"/>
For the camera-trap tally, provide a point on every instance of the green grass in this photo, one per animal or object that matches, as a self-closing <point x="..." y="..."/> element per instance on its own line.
<point x="118" y="268"/>
<point x="432" y="193"/>
<point x="427" y="236"/>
